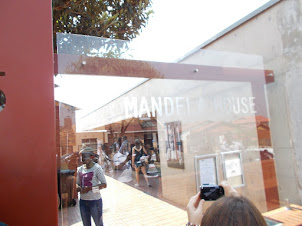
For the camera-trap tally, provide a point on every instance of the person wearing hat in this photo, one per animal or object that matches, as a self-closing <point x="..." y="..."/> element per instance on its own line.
<point x="90" y="179"/>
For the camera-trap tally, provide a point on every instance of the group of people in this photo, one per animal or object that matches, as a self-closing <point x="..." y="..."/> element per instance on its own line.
<point x="231" y="209"/>
<point x="138" y="156"/>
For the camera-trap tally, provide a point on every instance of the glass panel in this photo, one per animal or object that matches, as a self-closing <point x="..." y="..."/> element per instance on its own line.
<point x="177" y="112"/>
<point x="228" y="110"/>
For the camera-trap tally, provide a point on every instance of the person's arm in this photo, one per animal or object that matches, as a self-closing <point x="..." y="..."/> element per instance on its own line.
<point x="101" y="186"/>
<point x="101" y="177"/>
<point x="194" y="210"/>
<point x="78" y="186"/>
<point x="85" y="189"/>
<point x="133" y="155"/>
<point x="89" y="188"/>
<point x="128" y="158"/>
<point x="145" y="153"/>
<point x="144" y="150"/>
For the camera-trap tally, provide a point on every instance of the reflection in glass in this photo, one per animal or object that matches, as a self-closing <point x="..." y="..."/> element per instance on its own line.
<point x="174" y="119"/>
<point x="2" y="100"/>
<point x="177" y="112"/>
<point x="214" y="102"/>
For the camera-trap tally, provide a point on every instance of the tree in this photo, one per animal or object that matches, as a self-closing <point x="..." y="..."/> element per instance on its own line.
<point x="115" y="19"/>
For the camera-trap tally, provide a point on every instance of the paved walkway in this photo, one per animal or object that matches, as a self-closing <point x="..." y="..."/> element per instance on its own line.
<point x="125" y="205"/>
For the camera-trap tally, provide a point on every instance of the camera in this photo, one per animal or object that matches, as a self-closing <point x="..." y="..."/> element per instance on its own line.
<point x="211" y="192"/>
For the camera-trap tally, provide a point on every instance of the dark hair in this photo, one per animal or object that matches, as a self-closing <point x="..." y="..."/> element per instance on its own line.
<point x="125" y="137"/>
<point x="233" y="210"/>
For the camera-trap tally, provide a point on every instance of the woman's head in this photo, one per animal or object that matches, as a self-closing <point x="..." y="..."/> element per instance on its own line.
<point x="233" y="210"/>
<point x="137" y="142"/>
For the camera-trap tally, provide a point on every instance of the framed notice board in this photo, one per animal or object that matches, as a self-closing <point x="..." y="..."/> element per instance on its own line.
<point x="233" y="168"/>
<point x="206" y="170"/>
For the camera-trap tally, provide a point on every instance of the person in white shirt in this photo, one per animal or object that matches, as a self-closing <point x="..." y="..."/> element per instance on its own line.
<point x="90" y="179"/>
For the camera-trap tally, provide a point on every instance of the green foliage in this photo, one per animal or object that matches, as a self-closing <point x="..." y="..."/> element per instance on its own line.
<point x="116" y="19"/>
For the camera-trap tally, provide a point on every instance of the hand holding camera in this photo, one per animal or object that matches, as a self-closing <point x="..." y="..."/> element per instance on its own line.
<point x="195" y="209"/>
<point x="207" y="193"/>
<point x="210" y="192"/>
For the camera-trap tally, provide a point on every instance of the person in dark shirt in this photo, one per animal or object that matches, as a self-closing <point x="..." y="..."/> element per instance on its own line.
<point x="139" y="161"/>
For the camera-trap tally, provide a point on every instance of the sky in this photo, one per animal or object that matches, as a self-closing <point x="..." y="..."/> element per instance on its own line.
<point x="175" y="28"/>
<point x="178" y="26"/>
<point x="74" y="89"/>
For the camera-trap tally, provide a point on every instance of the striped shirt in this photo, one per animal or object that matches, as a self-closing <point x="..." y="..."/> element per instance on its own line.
<point x="90" y="177"/>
